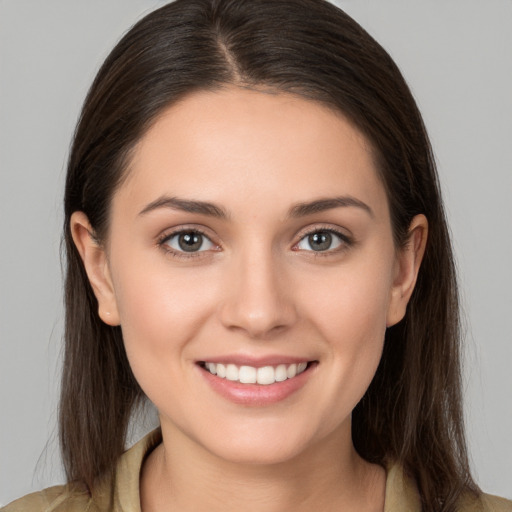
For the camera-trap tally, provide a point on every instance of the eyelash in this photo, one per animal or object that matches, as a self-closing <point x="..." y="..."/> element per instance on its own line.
<point x="163" y="240"/>
<point x="345" y="242"/>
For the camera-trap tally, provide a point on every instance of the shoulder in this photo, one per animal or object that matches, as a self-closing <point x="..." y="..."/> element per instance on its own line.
<point x="483" y="503"/>
<point x="402" y="496"/>
<point x="61" y="498"/>
<point x="121" y="487"/>
<point x="487" y="503"/>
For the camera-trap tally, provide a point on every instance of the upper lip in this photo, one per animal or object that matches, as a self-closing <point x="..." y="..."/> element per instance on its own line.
<point x="255" y="361"/>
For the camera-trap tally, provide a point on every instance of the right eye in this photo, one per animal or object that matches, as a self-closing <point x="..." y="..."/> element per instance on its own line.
<point x="188" y="241"/>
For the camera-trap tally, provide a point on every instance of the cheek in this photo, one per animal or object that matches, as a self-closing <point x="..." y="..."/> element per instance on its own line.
<point x="356" y="338"/>
<point x="351" y="305"/>
<point x="350" y="311"/>
<point x="160" y="312"/>
<point x="355" y="330"/>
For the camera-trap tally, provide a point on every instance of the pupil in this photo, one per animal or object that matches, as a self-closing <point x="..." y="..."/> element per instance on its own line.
<point x="190" y="242"/>
<point x="320" y="241"/>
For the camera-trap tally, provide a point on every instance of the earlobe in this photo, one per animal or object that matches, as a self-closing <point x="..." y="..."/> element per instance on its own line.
<point x="96" y="266"/>
<point x="409" y="259"/>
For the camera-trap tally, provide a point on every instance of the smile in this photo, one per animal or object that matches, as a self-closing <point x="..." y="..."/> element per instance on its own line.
<point x="264" y="375"/>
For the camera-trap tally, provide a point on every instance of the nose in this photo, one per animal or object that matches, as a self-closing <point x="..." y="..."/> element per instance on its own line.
<point x="258" y="298"/>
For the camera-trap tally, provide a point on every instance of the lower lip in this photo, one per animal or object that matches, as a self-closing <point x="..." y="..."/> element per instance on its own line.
<point x="257" y="394"/>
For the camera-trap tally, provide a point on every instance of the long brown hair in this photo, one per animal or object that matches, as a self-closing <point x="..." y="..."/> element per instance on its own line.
<point x="411" y="413"/>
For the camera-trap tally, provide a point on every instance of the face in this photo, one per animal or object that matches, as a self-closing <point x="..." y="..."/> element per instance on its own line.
<point x="251" y="265"/>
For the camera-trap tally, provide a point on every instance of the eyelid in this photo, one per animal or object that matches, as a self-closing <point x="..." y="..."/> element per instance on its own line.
<point x="347" y="240"/>
<point x="167" y="234"/>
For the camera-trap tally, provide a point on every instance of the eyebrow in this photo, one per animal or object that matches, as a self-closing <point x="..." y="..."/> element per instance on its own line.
<point x="296" y="211"/>
<point x="186" y="205"/>
<point x="320" y="205"/>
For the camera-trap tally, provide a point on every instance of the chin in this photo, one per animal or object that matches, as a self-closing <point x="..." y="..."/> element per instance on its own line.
<point x="258" y="454"/>
<point x="268" y="442"/>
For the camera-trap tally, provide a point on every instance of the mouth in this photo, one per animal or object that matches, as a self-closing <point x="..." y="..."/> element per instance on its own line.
<point x="264" y="375"/>
<point x="257" y="383"/>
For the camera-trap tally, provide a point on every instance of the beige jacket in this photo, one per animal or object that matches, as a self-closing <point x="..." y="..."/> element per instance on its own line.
<point x="123" y="496"/>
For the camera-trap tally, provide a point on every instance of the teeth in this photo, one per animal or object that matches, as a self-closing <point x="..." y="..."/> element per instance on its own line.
<point x="250" y="375"/>
<point x="292" y="370"/>
<point x="266" y="375"/>
<point x="221" y="370"/>
<point x="247" y="375"/>
<point x="280" y="373"/>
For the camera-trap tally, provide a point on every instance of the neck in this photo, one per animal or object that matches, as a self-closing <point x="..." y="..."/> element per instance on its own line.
<point x="183" y="476"/>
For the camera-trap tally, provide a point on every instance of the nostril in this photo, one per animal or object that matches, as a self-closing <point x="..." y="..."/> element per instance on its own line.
<point x="256" y="299"/>
<point x="258" y="319"/>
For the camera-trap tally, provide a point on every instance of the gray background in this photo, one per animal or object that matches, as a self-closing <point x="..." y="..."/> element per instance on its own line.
<point x="457" y="57"/>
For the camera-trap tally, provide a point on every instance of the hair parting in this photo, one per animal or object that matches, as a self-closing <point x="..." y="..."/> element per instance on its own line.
<point x="412" y="411"/>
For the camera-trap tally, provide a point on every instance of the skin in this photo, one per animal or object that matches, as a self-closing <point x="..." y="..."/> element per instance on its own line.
<point x="256" y="288"/>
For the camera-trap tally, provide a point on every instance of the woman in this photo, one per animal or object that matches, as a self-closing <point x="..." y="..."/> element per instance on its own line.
<point x="256" y="242"/>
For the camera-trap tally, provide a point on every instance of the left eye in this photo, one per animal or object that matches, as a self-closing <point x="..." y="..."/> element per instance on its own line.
<point x="320" y="241"/>
<point x="189" y="241"/>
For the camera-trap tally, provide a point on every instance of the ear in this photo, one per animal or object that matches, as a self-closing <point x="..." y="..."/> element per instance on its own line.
<point x="408" y="264"/>
<point x="96" y="266"/>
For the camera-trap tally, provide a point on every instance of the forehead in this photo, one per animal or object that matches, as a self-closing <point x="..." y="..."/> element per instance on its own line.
<point x="241" y="144"/>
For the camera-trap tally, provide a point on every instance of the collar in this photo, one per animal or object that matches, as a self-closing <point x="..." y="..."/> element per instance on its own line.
<point x="401" y="492"/>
